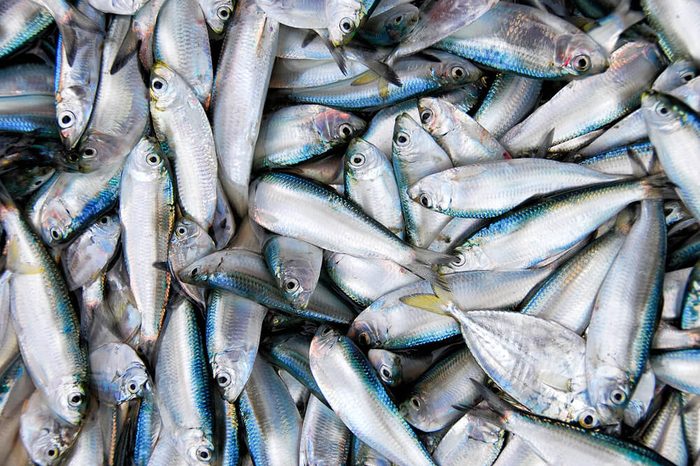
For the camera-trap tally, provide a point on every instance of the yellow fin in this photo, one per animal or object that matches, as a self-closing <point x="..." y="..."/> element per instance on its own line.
<point x="15" y="264"/>
<point x="427" y="302"/>
<point x="365" y="78"/>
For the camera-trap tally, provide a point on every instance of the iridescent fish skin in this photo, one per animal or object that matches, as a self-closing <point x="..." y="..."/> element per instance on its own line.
<point x="23" y="21"/>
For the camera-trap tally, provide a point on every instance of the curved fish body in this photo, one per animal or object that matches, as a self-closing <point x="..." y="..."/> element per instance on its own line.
<point x="633" y="68"/>
<point x="76" y="83"/>
<point x="358" y="397"/>
<point x="246" y="274"/>
<point x="674" y="131"/>
<point x="327" y="221"/>
<point x="368" y="91"/>
<point x="27" y="78"/>
<point x="120" y="113"/>
<point x="567" y="218"/>
<point x="391" y="324"/>
<point x="324" y="437"/>
<point x="489" y="189"/>
<point x="431" y="403"/>
<point x="300" y="73"/>
<point x="296" y="266"/>
<point x="299" y="133"/>
<point x="44" y="320"/>
<point x="415" y="155"/>
<point x="369" y="181"/>
<point x="366" y="280"/>
<point x="188" y="243"/>
<point x="678" y="369"/>
<point x="527" y="41"/>
<point x="233" y="327"/>
<point x="76" y="200"/>
<point x="627" y="306"/>
<point x="272" y="423"/>
<point x="89" y="447"/>
<point x="297" y="14"/>
<point x="147" y="214"/>
<point x="180" y="122"/>
<point x="22" y="23"/>
<point x="510" y="99"/>
<point x="665" y="433"/>
<point x="568" y="295"/>
<point x="29" y="113"/>
<point x="632" y="160"/>
<point x="86" y="258"/>
<point x="675" y="23"/>
<point x="184" y="399"/>
<point x="238" y="97"/>
<point x="181" y="42"/>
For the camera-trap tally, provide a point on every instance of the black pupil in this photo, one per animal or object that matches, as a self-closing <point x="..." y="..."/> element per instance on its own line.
<point x="588" y="420"/>
<point x="223" y="13"/>
<point x="104" y="220"/>
<point x="424" y="201"/>
<point x="157" y="85"/>
<point x="66" y="119"/>
<point x="385" y="372"/>
<point x="153" y="159"/>
<point x="425" y="116"/>
<point x="458" y="72"/>
<point x="582" y="63"/>
<point x="617" y="397"/>
<point x="75" y="399"/>
<point x="194" y="271"/>
<point x="663" y="111"/>
<point x="415" y="402"/>
<point x="398" y="19"/>
<point x="89" y="152"/>
<point x="357" y="160"/>
<point x="402" y="139"/>
<point x="54" y="234"/>
<point x="291" y="285"/>
<point x="203" y="454"/>
<point x="51" y="452"/>
<point x="345" y="131"/>
<point x="132" y="387"/>
<point x="346" y="26"/>
<point x="181" y="231"/>
<point x="222" y="379"/>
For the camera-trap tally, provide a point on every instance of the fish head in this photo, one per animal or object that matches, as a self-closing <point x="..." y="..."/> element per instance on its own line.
<point x="609" y="392"/>
<point x="432" y="193"/>
<point x="453" y="71"/>
<point x="364" y="161"/>
<point x="145" y="162"/>
<point x="344" y="18"/>
<point x="434" y="116"/>
<point x="408" y="141"/>
<point x="663" y="113"/>
<point x="188" y="243"/>
<point x="400" y="21"/>
<point x="56" y="222"/>
<point x="45" y="436"/>
<point x="387" y="365"/>
<point x="414" y="411"/>
<point x="297" y="280"/>
<point x="579" y="55"/>
<point x="69" y="401"/>
<point x="337" y="126"/>
<point x="73" y="108"/>
<point x="134" y="381"/>
<point x="368" y="333"/>
<point x="97" y="150"/>
<point x="194" y="445"/>
<point x="165" y="87"/>
<point x="324" y="341"/>
<point x="469" y="256"/>
<point x="217" y="13"/>
<point x="675" y="75"/>
<point x="230" y="369"/>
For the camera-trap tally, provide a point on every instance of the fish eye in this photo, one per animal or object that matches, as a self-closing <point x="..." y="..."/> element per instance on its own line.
<point x="223" y="13"/>
<point x="52" y="453"/>
<point x="415" y="402"/>
<point x="426" y="115"/>
<point x="582" y="63"/>
<point x="158" y="84"/>
<point x="618" y="397"/>
<point x="66" y="119"/>
<point x="203" y="454"/>
<point x="291" y="284"/>
<point x="688" y="76"/>
<point x="179" y="231"/>
<point x="89" y="152"/>
<point x="357" y="160"/>
<point x="55" y="233"/>
<point x="425" y="201"/>
<point x="153" y="159"/>
<point x="398" y="19"/>
<point x="104" y="220"/>
<point x="346" y="25"/>
<point x="194" y="272"/>
<point x="662" y="110"/>
<point x="588" y="420"/>
<point x="364" y="339"/>
<point x="402" y="139"/>
<point x="345" y="130"/>
<point x="385" y="373"/>
<point x="75" y="399"/>
<point x="459" y="260"/>
<point x="133" y="388"/>
<point x="223" y="379"/>
<point x="458" y="72"/>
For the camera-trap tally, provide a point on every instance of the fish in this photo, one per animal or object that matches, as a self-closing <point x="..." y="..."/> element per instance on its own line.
<point x="188" y="243"/>
<point x="296" y="266"/>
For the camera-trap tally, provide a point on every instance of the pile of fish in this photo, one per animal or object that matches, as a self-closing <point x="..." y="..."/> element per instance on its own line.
<point x="350" y="232"/>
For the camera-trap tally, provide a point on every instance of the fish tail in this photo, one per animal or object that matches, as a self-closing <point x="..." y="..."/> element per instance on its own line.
<point x="69" y="24"/>
<point x="127" y="49"/>
<point x="424" y="261"/>
<point x="658" y="187"/>
<point x="440" y="302"/>
<point x="501" y="409"/>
